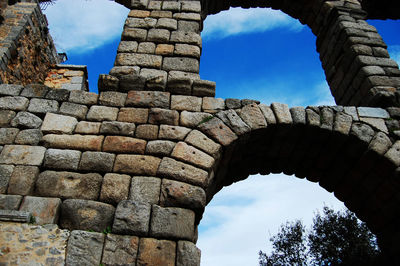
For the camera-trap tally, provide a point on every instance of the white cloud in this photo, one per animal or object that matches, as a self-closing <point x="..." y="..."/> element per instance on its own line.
<point x="394" y="51"/>
<point x="80" y="26"/>
<point x="239" y="21"/>
<point x="240" y="219"/>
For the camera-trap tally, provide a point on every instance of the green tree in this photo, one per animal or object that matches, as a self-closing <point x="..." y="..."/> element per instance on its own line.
<point x="336" y="238"/>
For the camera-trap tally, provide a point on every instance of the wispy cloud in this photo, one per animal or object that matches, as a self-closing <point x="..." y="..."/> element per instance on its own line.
<point x="239" y="21"/>
<point x="240" y="219"/>
<point x="80" y="26"/>
<point x="394" y="51"/>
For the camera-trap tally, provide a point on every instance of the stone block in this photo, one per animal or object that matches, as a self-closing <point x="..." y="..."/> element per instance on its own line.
<point x="155" y="79"/>
<point x="145" y="189"/>
<point x="181" y="64"/>
<point x="161" y="14"/>
<point x="26" y="120"/>
<point x="112" y="98"/>
<point x="203" y="88"/>
<point x="179" y="194"/>
<point x="187" y="16"/>
<point x="211" y="103"/>
<point x="189" y="26"/>
<point x="170" y="168"/>
<point x="232" y="103"/>
<point x="146" y="48"/>
<point x="201" y="141"/>
<point x="74" y="142"/>
<point x="190" y="6"/>
<point x="15" y="216"/>
<point x="35" y="90"/>
<point x="147" y="132"/>
<point x="101" y="113"/>
<point x="127" y="47"/>
<point x="186" y="103"/>
<point x="134" y="34"/>
<point x="158" y="35"/>
<point x="167" y="23"/>
<point x="62" y="159"/>
<point x="97" y="161"/>
<point x="192" y="119"/>
<point x="84" y="127"/>
<point x="217" y="130"/>
<point x="60" y="95"/>
<point x="282" y="113"/>
<point x="22" y="181"/>
<point x="183" y="75"/>
<point x="29" y="137"/>
<point x="163" y="116"/>
<point x="173" y="132"/>
<point x="7" y="135"/>
<point x="377" y="123"/>
<point x="327" y="117"/>
<point x="22" y="154"/>
<point x="133" y="115"/>
<point x="144" y="23"/>
<point x="180" y="86"/>
<point x="313" y="118"/>
<point x="10" y="89"/>
<point x="172" y="222"/>
<point x="372" y="112"/>
<point x="253" y="116"/>
<point x="190" y="154"/>
<point x="115" y="188"/>
<point x="160" y="147"/>
<point x="86" y="215"/>
<point x="136" y="164"/>
<point x="173" y="6"/>
<point x="187" y="254"/>
<point x="164" y="49"/>
<point x="10" y="202"/>
<point x="77" y="110"/>
<point x="234" y="121"/>
<point x="6" y="117"/>
<point x="185" y="37"/>
<point x="83" y="97"/>
<point x="342" y="123"/>
<point x="393" y="154"/>
<point x="84" y="248"/>
<point x="117" y="128"/>
<point x="58" y="124"/>
<point x="14" y="103"/>
<point x="148" y="99"/>
<point x="156" y="252"/>
<point x="68" y="185"/>
<point x="141" y="60"/>
<point x="139" y="13"/>
<point x="5" y="175"/>
<point x="120" y="250"/>
<point x="42" y="106"/>
<point x="44" y="210"/>
<point x="120" y="144"/>
<point x="132" y="218"/>
<point x="298" y="115"/>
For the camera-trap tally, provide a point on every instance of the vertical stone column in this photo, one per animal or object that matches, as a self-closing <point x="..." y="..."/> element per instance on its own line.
<point x="160" y="50"/>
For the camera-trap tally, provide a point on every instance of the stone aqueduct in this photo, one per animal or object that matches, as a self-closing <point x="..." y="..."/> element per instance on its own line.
<point x="141" y="160"/>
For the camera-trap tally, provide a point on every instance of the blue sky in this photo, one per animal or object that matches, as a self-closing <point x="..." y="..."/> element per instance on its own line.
<point x="255" y="54"/>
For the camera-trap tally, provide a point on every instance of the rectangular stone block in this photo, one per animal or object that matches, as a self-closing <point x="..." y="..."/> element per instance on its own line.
<point x="160" y="147"/>
<point x="163" y="116"/>
<point x="186" y="37"/>
<point x="187" y="50"/>
<point x="43" y="210"/>
<point x="74" y="142"/>
<point x="84" y="248"/>
<point x="101" y="113"/>
<point x="117" y="128"/>
<point x="22" y="154"/>
<point x="186" y="103"/>
<point x="187" y="254"/>
<point x="29" y="137"/>
<point x="10" y="202"/>
<point x="97" y="161"/>
<point x="201" y="141"/>
<point x="145" y="189"/>
<point x="158" y="35"/>
<point x="216" y="129"/>
<point x="147" y="132"/>
<point x="167" y="23"/>
<point x="173" y="132"/>
<point x="120" y="250"/>
<point x="124" y="145"/>
<point x="15" y="216"/>
<point x="127" y="47"/>
<point x="144" y="23"/>
<point x="42" y="106"/>
<point x="77" y="110"/>
<point x="142" y="60"/>
<point x="187" y="16"/>
<point x="58" y="124"/>
<point x="68" y="185"/>
<point x="26" y="120"/>
<point x="179" y="194"/>
<point x="133" y="115"/>
<point x="83" y="97"/>
<point x="148" y="99"/>
<point x="211" y="103"/>
<point x="22" y="181"/>
<point x="137" y="164"/>
<point x="84" y="127"/>
<point x="181" y="63"/>
<point x="14" y="103"/>
<point x="192" y="119"/>
<point x="190" y="154"/>
<point x="115" y="188"/>
<point x="134" y="34"/>
<point x="112" y="98"/>
<point x="10" y="89"/>
<point x="5" y="175"/>
<point x="132" y="218"/>
<point x="156" y="252"/>
<point x="5" y="117"/>
<point x="62" y="159"/>
<point x="8" y="135"/>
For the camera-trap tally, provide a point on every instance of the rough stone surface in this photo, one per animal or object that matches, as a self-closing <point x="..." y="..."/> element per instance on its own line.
<point x="163" y="116"/>
<point x="62" y="159"/>
<point x="68" y="185"/>
<point x="282" y="113"/>
<point x="14" y="103"/>
<point x="156" y="252"/>
<point x="136" y="164"/>
<point x="22" y="181"/>
<point x="148" y="99"/>
<point x="217" y="130"/>
<point x="10" y="202"/>
<point x="102" y="113"/>
<point x="124" y="145"/>
<point x="268" y="114"/>
<point x="192" y="155"/>
<point x="120" y="250"/>
<point x="172" y="222"/>
<point x="84" y="248"/>
<point x="5" y="175"/>
<point x="192" y="119"/>
<point x="117" y="128"/>
<point x="132" y="218"/>
<point x="84" y="127"/>
<point x="187" y="254"/>
<point x="160" y="147"/>
<point x="179" y="194"/>
<point x="186" y="103"/>
<point x="86" y="215"/>
<point x="173" y="132"/>
<point x="148" y="132"/>
<point x="112" y="98"/>
<point x="78" y="142"/>
<point x="22" y="155"/>
<point x="133" y="115"/>
<point x="7" y="135"/>
<point x="211" y="103"/>
<point x="58" y="124"/>
<point x="97" y="161"/>
<point x="29" y="137"/>
<point x="235" y="122"/>
<point x="42" y="106"/>
<point x="5" y="117"/>
<point x="145" y="189"/>
<point x="83" y="97"/>
<point x="44" y="210"/>
<point x="77" y="110"/>
<point x="26" y="120"/>
<point x="115" y="188"/>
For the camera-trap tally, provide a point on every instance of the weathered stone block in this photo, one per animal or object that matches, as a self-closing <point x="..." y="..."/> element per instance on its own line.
<point x="10" y="89"/>
<point x="22" y="181"/>
<point x="148" y="99"/>
<point x="167" y="23"/>
<point x="203" y="88"/>
<point x="179" y="194"/>
<point x="132" y="218"/>
<point x="84" y="127"/>
<point x="146" y="48"/>
<point x="101" y="113"/>
<point x="7" y="135"/>
<point x="62" y="159"/>
<point x="9" y="202"/>
<point x="79" y="142"/>
<point x="120" y="250"/>
<point x="84" y="248"/>
<point x="201" y="141"/>
<point x="86" y="215"/>
<point x="393" y="154"/>
<point x="186" y="103"/>
<point x="163" y="116"/>
<point x="172" y="223"/>
<point x="115" y="188"/>
<point x="155" y="79"/>
<point x="173" y="6"/>
<point x="145" y="189"/>
<point x="160" y="147"/>
<point x="190" y="154"/>
<point x="41" y="106"/>
<point x="192" y="119"/>
<point x="187" y="16"/>
<point x="5" y="175"/>
<point x="253" y="116"/>
<point x="173" y="132"/>
<point x="327" y="117"/>
<point x="187" y="254"/>
<point x="44" y="210"/>
<point x="112" y="98"/>
<point x="22" y="154"/>
<point x="117" y="128"/>
<point x="181" y="63"/>
<point x="372" y="112"/>
<point x="282" y="113"/>
<point x="148" y="132"/>
<point x="234" y="121"/>
<point x="217" y="130"/>
<point x="180" y="86"/>
<point x="83" y="97"/>
<point x="133" y="115"/>
<point x="141" y="60"/>
<point x="60" y="124"/>
<point x="173" y="169"/>
<point x="14" y="103"/>
<point x="35" y="90"/>
<point x="140" y="22"/>
<point x="161" y="14"/>
<point x="164" y="49"/>
<point x="298" y="115"/>
<point x="5" y="117"/>
<point x="134" y="34"/>
<point x="139" y="13"/>
<point x="268" y="114"/>
<point x="211" y="103"/>
<point x="77" y="110"/>
<point x="127" y="47"/>
<point x="187" y="50"/>
<point x="185" y="37"/>
<point x="26" y="120"/>
<point x="232" y="103"/>
<point x="189" y="26"/>
<point x="124" y="145"/>
<point x="68" y="185"/>
<point x="60" y="95"/>
<point x="156" y="252"/>
<point x="136" y="164"/>
<point x="158" y="35"/>
<point x="97" y="161"/>
<point x="15" y="216"/>
<point x="342" y="123"/>
<point x="29" y="137"/>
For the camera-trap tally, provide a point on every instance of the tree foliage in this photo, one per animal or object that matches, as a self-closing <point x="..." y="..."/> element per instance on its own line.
<point x="336" y="238"/>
